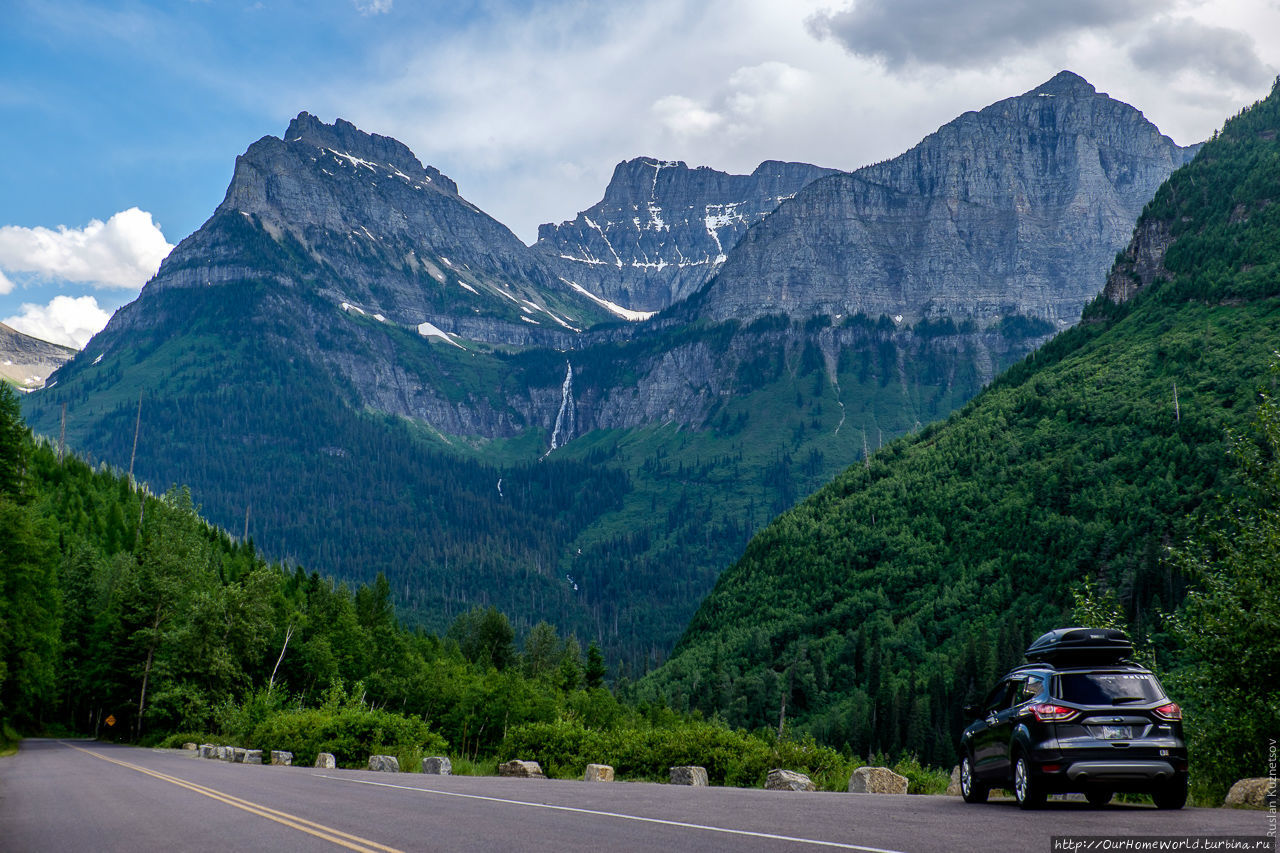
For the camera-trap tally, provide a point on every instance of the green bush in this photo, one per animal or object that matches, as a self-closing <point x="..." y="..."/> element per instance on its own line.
<point x="731" y="757"/>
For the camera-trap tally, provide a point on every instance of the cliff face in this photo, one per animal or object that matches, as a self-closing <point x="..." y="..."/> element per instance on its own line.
<point x="388" y="236"/>
<point x="662" y="229"/>
<point x="1015" y="209"/>
<point x="26" y="361"/>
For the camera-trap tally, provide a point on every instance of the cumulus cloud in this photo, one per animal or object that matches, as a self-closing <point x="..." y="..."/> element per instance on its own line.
<point x="1173" y="46"/>
<point x="976" y="34"/>
<point x="122" y="252"/>
<point x="373" y="7"/>
<point x="6" y="286"/>
<point x="66" y="320"/>
<point x="753" y="97"/>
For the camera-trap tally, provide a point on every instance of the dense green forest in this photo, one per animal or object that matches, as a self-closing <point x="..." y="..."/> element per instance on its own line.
<point x="615" y="536"/>
<point x="126" y="616"/>
<point x="871" y="613"/>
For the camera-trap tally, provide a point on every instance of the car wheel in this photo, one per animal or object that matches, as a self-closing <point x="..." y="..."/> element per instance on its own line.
<point x="1098" y="797"/>
<point x="1025" y="789"/>
<point x="971" y="789"/>
<point x="1171" y="795"/>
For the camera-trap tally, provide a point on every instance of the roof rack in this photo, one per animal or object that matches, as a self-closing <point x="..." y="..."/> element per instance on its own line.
<point x="1081" y="646"/>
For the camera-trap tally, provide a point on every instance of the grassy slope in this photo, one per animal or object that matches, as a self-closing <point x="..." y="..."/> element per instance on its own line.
<point x="889" y="598"/>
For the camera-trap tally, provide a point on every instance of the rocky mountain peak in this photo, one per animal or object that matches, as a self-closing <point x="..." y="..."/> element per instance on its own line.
<point x="343" y="137"/>
<point x="662" y="228"/>
<point x="1065" y="83"/>
<point x="1017" y="208"/>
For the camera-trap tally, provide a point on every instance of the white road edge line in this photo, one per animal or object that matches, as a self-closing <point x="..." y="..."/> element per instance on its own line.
<point x="767" y="835"/>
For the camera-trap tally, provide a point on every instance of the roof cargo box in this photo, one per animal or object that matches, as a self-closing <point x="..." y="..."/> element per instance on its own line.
<point x="1085" y="646"/>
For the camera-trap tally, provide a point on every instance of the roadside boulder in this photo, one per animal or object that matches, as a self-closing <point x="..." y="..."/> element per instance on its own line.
<point x="876" y="780"/>
<point x="1257" y="793"/>
<point x="207" y="750"/>
<point x="384" y="763"/>
<point x="226" y="753"/>
<point x="598" y="773"/>
<point x="238" y="753"/>
<point x="953" y="787"/>
<point x="521" y="769"/>
<point x="253" y="756"/>
<point x="325" y="760"/>
<point x="788" y="780"/>
<point x="189" y="746"/>
<point x="281" y="759"/>
<point x="696" y="776"/>
<point x="437" y="765"/>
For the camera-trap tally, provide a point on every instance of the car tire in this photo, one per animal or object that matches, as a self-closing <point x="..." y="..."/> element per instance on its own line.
<point x="1172" y="794"/>
<point x="971" y="789"/>
<point x="1026" y="790"/>
<point x="1098" y="797"/>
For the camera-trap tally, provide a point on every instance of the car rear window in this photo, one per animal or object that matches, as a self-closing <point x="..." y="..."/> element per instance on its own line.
<point x="1108" y="688"/>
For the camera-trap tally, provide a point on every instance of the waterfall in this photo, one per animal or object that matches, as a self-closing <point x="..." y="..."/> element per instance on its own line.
<point x="562" y="433"/>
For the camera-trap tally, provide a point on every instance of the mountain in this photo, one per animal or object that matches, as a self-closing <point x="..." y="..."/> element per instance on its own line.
<point x="300" y="364"/>
<point x="662" y="229"/>
<point x="385" y="235"/>
<point x="26" y="361"/>
<point x="873" y="611"/>
<point x="1011" y="210"/>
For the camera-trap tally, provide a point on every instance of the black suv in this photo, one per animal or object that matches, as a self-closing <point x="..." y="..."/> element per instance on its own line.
<point x="1080" y="717"/>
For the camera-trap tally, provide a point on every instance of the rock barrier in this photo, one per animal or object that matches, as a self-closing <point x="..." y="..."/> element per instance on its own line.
<point x="384" y="763"/>
<point x="598" y="773"/>
<point x="325" y="761"/>
<point x="877" y="780"/>
<point x="521" y="769"/>
<point x="281" y="759"/>
<point x="696" y="776"/>
<point x="788" y="780"/>
<point x="1257" y="793"/>
<point x="437" y="765"/>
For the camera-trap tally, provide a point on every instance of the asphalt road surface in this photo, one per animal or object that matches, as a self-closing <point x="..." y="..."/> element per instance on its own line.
<point x="86" y="796"/>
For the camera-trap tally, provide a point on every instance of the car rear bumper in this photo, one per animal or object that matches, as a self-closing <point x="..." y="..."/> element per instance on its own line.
<point x="1088" y="772"/>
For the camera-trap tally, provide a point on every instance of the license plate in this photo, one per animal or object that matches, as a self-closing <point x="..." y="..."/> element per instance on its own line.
<point x="1115" y="732"/>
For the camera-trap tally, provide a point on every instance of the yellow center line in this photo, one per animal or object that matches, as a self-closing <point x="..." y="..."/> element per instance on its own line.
<point x="326" y="833"/>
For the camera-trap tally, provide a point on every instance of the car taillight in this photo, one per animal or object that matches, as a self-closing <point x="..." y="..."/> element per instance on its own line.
<point x="1047" y="713"/>
<point x="1170" y="712"/>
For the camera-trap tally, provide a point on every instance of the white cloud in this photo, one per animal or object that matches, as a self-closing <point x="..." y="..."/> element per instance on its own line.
<point x="684" y="117"/>
<point x="1182" y="46"/>
<point x="122" y="252"/>
<point x="373" y="7"/>
<point x="6" y="286"/>
<point x="70" y="321"/>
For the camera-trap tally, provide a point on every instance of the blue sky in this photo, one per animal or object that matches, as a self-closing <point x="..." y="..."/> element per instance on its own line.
<point x="130" y="114"/>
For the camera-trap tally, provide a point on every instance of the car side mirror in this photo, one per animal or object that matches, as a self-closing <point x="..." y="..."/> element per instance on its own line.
<point x="973" y="712"/>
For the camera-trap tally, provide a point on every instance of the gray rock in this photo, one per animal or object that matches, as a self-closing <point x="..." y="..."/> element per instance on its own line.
<point x="326" y="761"/>
<point x="1017" y="208"/>
<point x="253" y="756"/>
<point x="788" y="780"/>
<point x="238" y="754"/>
<point x="225" y="753"/>
<point x="207" y="750"/>
<point x="953" y="786"/>
<point x="662" y="229"/>
<point x="877" y="780"/>
<point x="521" y="769"/>
<point x="1258" y="793"/>
<point x="437" y="765"/>
<point x="696" y="776"/>
<point x="281" y="759"/>
<point x="384" y="763"/>
<point x="190" y="746"/>
<point x="598" y="773"/>
<point x="28" y="361"/>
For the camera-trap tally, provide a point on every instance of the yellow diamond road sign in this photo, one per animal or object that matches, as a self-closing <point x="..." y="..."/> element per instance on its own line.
<point x="111" y="720"/>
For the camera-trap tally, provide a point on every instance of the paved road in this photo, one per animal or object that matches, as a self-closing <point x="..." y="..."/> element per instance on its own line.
<point x="84" y="796"/>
